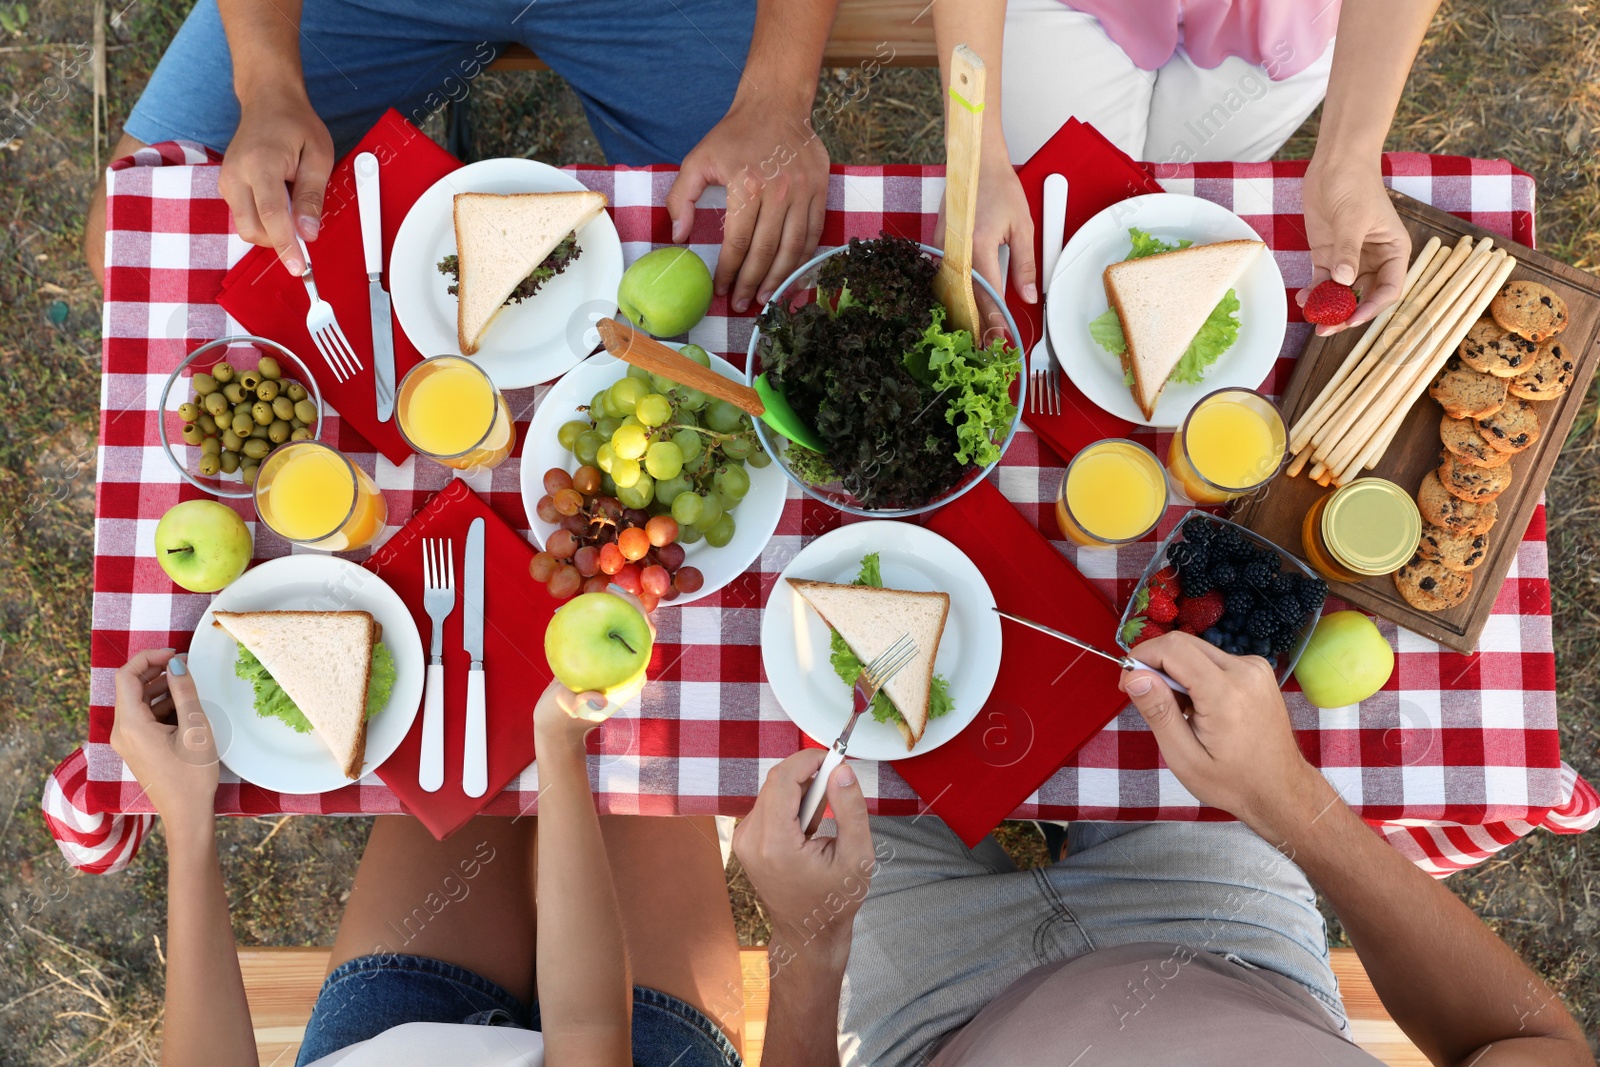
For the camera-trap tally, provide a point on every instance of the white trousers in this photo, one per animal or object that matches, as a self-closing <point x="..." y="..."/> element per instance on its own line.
<point x="1059" y="63"/>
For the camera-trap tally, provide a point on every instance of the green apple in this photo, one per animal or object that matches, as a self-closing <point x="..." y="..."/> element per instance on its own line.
<point x="1346" y="661"/>
<point x="203" y="545"/>
<point x="665" y="292"/>
<point x="599" y="641"/>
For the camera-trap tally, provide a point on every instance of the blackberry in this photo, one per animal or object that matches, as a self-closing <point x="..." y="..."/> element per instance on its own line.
<point x="1226" y="541"/>
<point x="1257" y="575"/>
<point x="1198" y="530"/>
<point x="1290" y="613"/>
<point x="1312" y="593"/>
<point x="1283" y="641"/>
<point x="1180" y="554"/>
<point x="1283" y="585"/>
<point x="1213" y="636"/>
<point x="1195" y="582"/>
<point x="1223" y="574"/>
<point x="1262" y="624"/>
<point x="1239" y="601"/>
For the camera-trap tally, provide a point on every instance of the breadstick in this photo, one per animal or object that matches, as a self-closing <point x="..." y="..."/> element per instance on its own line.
<point x="1437" y="274"/>
<point x="1449" y="341"/>
<point x="1298" y="464"/>
<point x="1398" y="376"/>
<point x="1391" y="359"/>
<point x="1374" y="328"/>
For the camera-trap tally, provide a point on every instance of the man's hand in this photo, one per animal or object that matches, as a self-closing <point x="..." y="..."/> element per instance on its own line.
<point x="162" y="734"/>
<point x="812" y="888"/>
<point x="775" y="170"/>
<point x="1235" y="749"/>
<point x="275" y="174"/>
<point x="1355" y="236"/>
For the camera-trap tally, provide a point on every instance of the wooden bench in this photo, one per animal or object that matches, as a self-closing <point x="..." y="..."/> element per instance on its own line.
<point x="282" y="984"/>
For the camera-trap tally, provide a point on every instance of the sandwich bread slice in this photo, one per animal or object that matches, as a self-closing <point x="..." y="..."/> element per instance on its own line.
<point x="871" y="619"/>
<point x="500" y="239"/>
<point x="323" y="662"/>
<point x="1164" y="299"/>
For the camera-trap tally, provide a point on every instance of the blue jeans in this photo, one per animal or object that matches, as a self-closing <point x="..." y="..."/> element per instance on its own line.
<point x="945" y="929"/>
<point x="653" y="75"/>
<point x="365" y="996"/>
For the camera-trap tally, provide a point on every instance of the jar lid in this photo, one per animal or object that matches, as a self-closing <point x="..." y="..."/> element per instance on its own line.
<point x="1372" y="526"/>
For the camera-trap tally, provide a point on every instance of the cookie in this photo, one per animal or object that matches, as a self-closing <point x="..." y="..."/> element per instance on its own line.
<point x="1452" y="548"/>
<point x="1476" y="484"/>
<point x="1465" y="393"/>
<point x="1462" y="438"/>
<point x="1495" y="350"/>
<point x="1530" y="310"/>
<point x="1547" y="378"/>
<point x="1443" y="508"/>
<point x="1431" y="586"/>
<point x="1513" y="428"/>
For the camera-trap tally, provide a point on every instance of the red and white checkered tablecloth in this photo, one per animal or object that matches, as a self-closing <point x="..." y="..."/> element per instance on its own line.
<point x="1457" y="758"/>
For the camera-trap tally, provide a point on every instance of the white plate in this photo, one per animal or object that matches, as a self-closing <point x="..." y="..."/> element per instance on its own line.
<point x="755" y="519"/>
<point x="794" y="639"/>
<point x="1078" y="295"/>
<point x="264" y="751"/>
<point x="530" y="342"/>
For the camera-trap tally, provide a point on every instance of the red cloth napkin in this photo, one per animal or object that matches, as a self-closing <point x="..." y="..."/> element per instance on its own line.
<point x="1098" y="175"/>
<point x="268" y="300"/>
<point x="515" y="612"/>
<point x="1049" y="698"/>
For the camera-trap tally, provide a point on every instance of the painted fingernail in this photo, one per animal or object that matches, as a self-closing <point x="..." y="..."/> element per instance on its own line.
<point x="175" y="665"/>
<point x="845" y="776"/>
<point x="309" y="226"/>
<point x="597" y="704"/>
<point x="1140" y="684"/>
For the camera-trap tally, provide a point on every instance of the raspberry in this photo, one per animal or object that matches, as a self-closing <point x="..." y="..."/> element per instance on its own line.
<point x="1198" y="614"/>
<point x="1162" y="607"/>
<point x="1329" y="304"/>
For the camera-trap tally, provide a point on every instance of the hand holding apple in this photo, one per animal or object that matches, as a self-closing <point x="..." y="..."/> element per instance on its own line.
<point x="203" y="545"/>
<point x="598" y="646"/>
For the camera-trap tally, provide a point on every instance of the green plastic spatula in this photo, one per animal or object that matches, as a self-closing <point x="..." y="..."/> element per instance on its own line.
<point x="781" y="417"/>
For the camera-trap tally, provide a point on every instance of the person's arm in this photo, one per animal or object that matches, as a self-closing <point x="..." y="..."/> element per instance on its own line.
<point x="811" y="890"/>
<point x="1355" y="236"/>
<point x="275" y="171"/>
<point x="767" y="156"/>
<point x="1002" y="215"/>
<point x="207" y="1019"/>
<point x="585" y="993"/>
<point x="1454" y="987"/>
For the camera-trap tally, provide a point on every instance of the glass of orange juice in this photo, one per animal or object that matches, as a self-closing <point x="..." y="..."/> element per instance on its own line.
<point x="1232" y="442"/>
<point x="451" y="412"/>
<point x="1114" y="492"/>
<point x="311" y="494"/>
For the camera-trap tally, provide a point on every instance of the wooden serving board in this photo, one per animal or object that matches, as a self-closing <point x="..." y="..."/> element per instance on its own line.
<point x="1277" y="512"/>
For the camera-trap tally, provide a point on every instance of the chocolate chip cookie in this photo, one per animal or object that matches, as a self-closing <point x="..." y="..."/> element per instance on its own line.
<point x="1476" y="484"/>
<point x="1495" y="350"/>
<point x="1462" y="438"/>
<point x="1452" y="548"/>
<point x="1443" y="508"/>
<point x="1428" y="585"/>
<point x="1513" y="428"/>
<point x="1548" y="377"/>
<point x="1530" y="310"/>
<point x="1465" y="393"/>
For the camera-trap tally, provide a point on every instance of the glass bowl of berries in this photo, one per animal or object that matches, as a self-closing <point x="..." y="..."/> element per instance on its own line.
<point x="1226" y="585"/>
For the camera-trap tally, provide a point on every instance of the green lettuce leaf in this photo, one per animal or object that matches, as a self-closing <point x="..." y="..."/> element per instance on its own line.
<point x="977" y="381"/>
<point x="273" y="703"/>
<point x="848" y="667"/>
<point x="1145" y="245"/>
<point x="1106" y="329"/>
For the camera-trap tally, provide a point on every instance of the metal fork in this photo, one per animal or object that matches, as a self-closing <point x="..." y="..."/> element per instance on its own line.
<point x="873" y="677"/>
<point x="439" y="600"/>
<point x="1044" y="386"/>
<point x="324" y="328"/>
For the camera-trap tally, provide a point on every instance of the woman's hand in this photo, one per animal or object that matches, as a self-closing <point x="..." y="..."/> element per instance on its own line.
<point x="561" y="710"/>
<point x="1002" y="219"/>
<point x="162" y="734"/>
<point x="1355" y="235"/>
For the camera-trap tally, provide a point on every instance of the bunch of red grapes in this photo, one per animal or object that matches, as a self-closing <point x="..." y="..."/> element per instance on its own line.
<point x="600" y="543"/>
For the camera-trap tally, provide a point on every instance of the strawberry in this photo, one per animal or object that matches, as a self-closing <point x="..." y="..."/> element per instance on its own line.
<point x="1198" y="614"/>
<point x="1139" y="629"/>
<point x="1167" y="579"/>
<point x="1162" y="607"/>
<point x="1329" y="304"/>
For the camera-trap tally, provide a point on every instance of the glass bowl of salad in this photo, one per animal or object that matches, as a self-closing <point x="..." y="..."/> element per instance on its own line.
<point x="910" y="412"/>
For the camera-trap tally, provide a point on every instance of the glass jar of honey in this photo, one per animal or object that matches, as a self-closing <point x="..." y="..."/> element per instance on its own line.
<point x="1366" y="528"/>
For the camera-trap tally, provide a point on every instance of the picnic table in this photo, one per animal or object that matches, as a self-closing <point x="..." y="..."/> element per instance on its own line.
<point x="1453" y="761"/>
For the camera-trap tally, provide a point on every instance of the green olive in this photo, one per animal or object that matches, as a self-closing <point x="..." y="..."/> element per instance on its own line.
<point x="300" y="434"/>
<point x="234" y="392"/>
<point x="230" y="462"/>
<point x="192" y="434"/>
<point x="189" y="412"/>
<point x="223" y="372"/>
<point x="248" y="474"/>
<point x="268" y="369"/>
<point x="243" y="424"/>
<point x="210" y="464"/>
<point x="215" y="403"/>
<point x="232" y="442"/>
<point x="250" y="379"/>
<point x="279" y="431"/>
<point x="267" y="389"/>
<point x="243" y="407"/>
<point x="258" y="432"/>
<point x="296" y="391"/>
<point x="256" y="448"/>
<point x="262" y="412"/>
<point x="207" y="424"/>
<point x="283" y="407"/>
<point x="204" y="384"/>
<point x="210" y="447"/>
<point x="306" y="412"/>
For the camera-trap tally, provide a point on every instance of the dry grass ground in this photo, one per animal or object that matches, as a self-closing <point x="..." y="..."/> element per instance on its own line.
<point x="82" y="980"/>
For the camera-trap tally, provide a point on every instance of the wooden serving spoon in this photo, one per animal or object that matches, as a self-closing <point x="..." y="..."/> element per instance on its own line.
<point x="963" y="141"/>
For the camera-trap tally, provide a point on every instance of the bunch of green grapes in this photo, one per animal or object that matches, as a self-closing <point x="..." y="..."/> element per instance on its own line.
<point x="667" y="449"/>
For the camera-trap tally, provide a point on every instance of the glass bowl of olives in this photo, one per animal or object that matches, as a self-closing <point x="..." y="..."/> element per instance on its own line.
<point x="230" y="403"/>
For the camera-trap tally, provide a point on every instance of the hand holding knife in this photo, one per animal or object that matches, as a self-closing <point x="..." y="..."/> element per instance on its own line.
<point x="367" y="204"/>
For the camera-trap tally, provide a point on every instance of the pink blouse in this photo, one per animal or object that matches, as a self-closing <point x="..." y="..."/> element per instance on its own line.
<point x="1282" y="36"/>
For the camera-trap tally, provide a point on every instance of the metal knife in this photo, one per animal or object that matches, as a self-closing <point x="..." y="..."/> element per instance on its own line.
<point x="1127" y="663"/>
<point x="372" y="249"/>
<point x="475" y="762"/>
